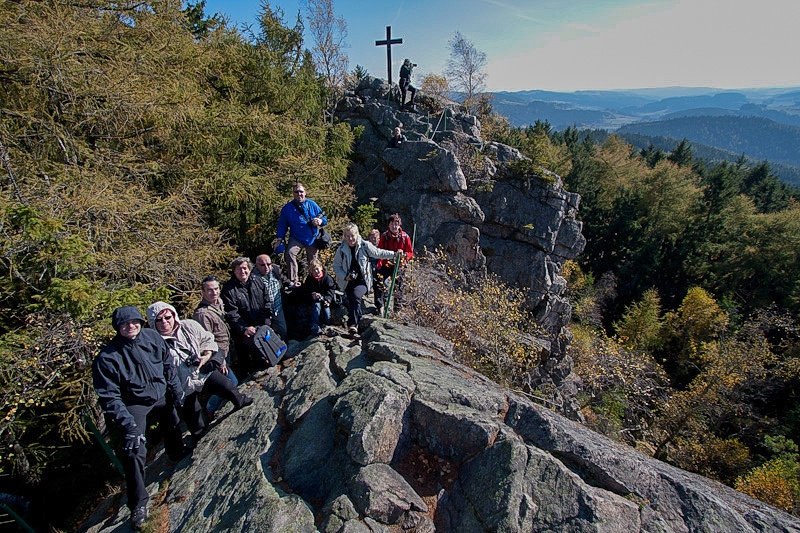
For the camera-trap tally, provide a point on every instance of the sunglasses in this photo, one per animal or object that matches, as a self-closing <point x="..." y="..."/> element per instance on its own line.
<point x="164" y="318"/>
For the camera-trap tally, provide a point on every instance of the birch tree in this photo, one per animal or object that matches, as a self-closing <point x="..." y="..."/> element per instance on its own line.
<point x="465" y="69"/>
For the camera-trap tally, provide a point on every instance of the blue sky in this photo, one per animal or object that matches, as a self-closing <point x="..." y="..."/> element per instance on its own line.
<point x="568" y="45"/>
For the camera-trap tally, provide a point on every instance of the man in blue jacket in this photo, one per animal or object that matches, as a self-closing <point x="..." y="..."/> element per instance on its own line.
<point x="131" y="376"/>
<point x="303" y="218"/>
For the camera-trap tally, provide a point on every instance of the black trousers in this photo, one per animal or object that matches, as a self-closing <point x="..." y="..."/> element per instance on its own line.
<point x="192" y="411"/>
<point x="355" y="292"/>
<point x="134" y="462"/>
<point x="382" y="285"/>
<point x="405" y="85"/>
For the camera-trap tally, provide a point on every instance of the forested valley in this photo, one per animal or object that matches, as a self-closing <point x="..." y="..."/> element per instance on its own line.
<point x="685" y="306"/>
<point x="143" y="146"/>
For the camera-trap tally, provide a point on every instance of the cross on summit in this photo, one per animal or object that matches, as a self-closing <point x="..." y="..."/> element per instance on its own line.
<point x="388" y="44"/>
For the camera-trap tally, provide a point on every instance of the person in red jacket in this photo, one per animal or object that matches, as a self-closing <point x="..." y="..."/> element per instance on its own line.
<point x="394" y="239"/>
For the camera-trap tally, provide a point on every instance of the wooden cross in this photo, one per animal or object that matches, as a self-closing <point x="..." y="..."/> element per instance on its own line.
<point x="388" y="44"/>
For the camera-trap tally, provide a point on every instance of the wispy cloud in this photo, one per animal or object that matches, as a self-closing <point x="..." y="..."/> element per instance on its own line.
<point x="517" y="12"/>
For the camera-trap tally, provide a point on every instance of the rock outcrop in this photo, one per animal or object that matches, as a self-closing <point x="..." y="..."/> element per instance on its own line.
<point x="485" y="204"/>
<point x="388" y="434"/>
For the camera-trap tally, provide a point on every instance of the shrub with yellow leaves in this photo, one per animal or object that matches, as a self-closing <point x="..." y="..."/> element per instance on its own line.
<point x="486" y="320"/>
<point x="776" y="482"/>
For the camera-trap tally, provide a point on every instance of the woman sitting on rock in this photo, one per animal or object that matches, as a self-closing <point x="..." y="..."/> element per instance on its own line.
<point x="195" y="356"/>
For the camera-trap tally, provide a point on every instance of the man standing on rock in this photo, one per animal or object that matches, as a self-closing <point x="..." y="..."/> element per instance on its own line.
<point x="303" y="219"/>
<point x="131" y="376"/>
<point x="405" y="83"/>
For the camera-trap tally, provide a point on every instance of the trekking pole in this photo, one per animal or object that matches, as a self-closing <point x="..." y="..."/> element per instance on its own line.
<point x="103" y="444"/>
<point x="17" y="518"/>
<point x="394" y="277"/>
<point x="391" y="289"/>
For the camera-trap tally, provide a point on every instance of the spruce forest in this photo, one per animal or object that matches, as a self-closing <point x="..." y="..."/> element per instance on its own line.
<point x="143" y="145"/>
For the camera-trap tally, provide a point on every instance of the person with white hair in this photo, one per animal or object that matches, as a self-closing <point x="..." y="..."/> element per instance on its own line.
<point x="353" y="274"/>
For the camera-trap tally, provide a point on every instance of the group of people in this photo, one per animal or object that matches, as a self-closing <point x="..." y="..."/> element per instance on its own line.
<point x="164" y="371"/>
<point x="159" y="372"/>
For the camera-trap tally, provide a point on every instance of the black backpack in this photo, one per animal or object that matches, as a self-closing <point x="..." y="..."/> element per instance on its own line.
<point x="270" y="346"/>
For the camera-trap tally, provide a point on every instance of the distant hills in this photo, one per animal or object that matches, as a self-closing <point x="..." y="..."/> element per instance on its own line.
<point x="763" y="124"/>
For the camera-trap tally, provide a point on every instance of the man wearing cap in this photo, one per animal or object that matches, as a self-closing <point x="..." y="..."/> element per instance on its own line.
<point x="131" y="376"/>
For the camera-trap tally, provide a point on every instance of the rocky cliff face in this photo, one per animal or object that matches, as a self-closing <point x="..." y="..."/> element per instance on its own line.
<point x="485" y="204"/>
<point x="388" y="434"/>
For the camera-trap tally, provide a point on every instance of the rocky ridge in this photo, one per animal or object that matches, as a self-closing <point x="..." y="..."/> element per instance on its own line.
<point x="485" y="204"/>
<point x="389" y="434"/>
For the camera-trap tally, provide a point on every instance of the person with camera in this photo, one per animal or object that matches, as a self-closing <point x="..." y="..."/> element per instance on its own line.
<point x="405" y="83"/>
<point x="131" y="376"/>
<point x="353" y="275"/>
<point x="303" y="219"/>
<point x="197" y="359"/>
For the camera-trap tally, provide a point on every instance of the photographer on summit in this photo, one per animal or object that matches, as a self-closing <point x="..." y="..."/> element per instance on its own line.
<point x="405" y="83"/>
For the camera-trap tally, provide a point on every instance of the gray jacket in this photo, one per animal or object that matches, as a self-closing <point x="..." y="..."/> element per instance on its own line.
<point x="189" y="340"/>
<point x="364" y="250"/>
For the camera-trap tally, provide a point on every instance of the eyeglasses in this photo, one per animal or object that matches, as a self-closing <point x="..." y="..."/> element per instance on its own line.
<point x="165" y="318"/>
<point x="300" y="192"/>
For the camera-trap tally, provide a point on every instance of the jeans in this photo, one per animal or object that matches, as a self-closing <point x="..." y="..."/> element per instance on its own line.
<point x="320" y="316"/>
<point x="278" y="325"/>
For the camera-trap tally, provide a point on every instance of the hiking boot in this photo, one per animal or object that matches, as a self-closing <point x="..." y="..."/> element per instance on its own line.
<point x="179" y="455"/>
<point x="138" y="516"/>
<point x="246" y="400"/>
<point x="352" y="330"/>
